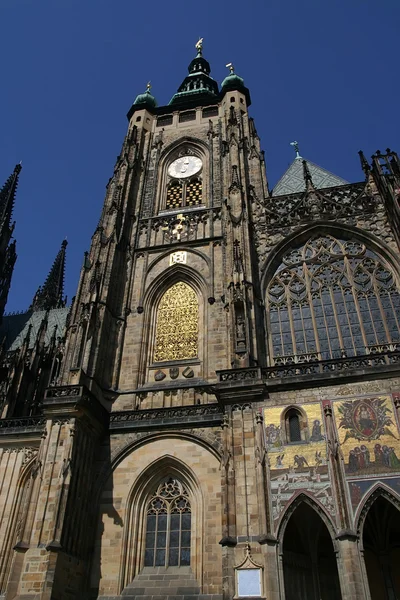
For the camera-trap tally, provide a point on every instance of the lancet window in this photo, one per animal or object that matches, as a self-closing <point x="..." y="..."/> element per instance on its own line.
<point x="177" y="324"/>
<point x="168" y="526"/>
<point x="332" y="298"/>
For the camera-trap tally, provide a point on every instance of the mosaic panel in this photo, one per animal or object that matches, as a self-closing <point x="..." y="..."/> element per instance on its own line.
<point x="300" y="466"/>
<point x="368" y="435"/>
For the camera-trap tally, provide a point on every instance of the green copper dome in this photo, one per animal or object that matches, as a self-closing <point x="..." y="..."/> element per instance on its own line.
<point x="145" y="99"/>
<point x="232" y="82"/>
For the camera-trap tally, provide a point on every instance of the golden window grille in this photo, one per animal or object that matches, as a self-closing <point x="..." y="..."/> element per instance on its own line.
<point x="177" y="324"/>
<point x="194" y="193"/>
<point x="174" y="196"/>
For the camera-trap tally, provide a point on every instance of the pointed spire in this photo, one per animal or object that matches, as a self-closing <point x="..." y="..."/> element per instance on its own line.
<point x="7" y="196"/>
<point x="50" y="295"/>
<point x="364" y="163"/>
<point x="307" y="175"/>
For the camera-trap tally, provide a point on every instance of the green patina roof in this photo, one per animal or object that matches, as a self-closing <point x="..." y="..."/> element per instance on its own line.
<point x="145" y="99"/>
<point x="15" y="327"/>
<point x="292" y="181"/>
<point x="198" y="85"/>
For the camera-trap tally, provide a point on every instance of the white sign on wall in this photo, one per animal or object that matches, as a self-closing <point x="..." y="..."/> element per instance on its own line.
<point x="248" y="582"/>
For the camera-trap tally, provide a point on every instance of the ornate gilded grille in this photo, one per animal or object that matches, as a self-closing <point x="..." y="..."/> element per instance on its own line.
<point x="174" y="195"/>
<point x="332" y="298"/>
<point x="177" y="324"/>
<point x="168" y="527"/>
<point x="194" y="193"/>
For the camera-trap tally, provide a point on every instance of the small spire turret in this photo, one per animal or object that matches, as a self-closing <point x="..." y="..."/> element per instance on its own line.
<point x="51" y="294"/>
<point x="7" y="197"/>
<point x="8" y="253"/>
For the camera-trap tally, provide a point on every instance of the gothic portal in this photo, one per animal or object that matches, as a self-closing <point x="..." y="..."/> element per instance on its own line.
<point x="216" y="416"/>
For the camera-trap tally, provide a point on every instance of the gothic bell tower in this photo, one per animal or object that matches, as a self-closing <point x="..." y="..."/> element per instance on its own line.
<point x="168" y="292"/>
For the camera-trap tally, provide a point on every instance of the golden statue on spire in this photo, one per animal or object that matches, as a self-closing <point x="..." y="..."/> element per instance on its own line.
<point x="199" y="46"/>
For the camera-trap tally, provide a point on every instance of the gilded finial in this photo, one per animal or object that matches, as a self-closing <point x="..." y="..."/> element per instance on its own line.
<point x="148" y="86"/>
<point x="199" y="46"/>
<point x="230" y="67"/>
<point x="296" y="148"/>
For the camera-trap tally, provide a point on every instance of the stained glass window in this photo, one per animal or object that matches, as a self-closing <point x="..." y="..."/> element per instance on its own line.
<point x="332" y="298"/>
<point x="168" y="527"/>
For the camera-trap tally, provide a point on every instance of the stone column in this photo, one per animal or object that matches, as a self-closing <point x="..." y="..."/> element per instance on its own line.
<point x="348" y="555"/>
<point x="267" y="539"/>
<point x="53" y="546"/>
<point x="228" y="541"/>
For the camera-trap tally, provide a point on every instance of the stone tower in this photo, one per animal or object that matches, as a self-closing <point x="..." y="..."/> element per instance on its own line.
<point x="222" y="420"/>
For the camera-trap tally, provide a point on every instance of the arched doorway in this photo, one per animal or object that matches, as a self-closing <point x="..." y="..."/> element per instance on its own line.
<point x="381" y="542"/>
<point x="309" y="561"/>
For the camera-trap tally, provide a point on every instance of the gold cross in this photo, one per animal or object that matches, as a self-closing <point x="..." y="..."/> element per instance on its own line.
<point x="178" y="227"/>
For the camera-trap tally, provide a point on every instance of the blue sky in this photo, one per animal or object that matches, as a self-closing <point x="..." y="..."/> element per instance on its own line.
<point x="322" y="72"/>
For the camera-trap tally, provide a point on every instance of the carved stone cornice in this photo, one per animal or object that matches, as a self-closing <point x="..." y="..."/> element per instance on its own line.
<point x="328" y="204"/>
<point x="74" y="401"/>
<point x="182" y="416"/>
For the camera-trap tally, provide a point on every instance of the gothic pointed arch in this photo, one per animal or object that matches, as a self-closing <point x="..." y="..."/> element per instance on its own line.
<point x="175" y="311"/>
<point x="164" y="492"/>
<point x="304" y="498"/>
<point x="183" y="176"/>
<point x="379" y="490"/>
<point x="308" y="553"/>
<point x="331" y="293"/>
<point x="379" y="529"/>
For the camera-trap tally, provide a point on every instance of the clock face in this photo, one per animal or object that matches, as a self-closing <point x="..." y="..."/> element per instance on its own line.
<point x="185" y="166"/>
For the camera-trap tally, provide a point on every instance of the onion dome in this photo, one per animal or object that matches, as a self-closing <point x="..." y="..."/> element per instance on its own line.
<point x="145" y="100"/>
<point x="234" y="83"/>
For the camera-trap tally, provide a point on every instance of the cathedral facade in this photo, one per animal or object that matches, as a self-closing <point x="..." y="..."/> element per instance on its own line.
<point x="217" y="415"/>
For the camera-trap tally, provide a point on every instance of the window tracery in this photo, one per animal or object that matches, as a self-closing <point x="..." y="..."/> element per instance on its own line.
<point x="332" y="298"/>
<point x="177" y="324"/>
<point x="168" y="526"/>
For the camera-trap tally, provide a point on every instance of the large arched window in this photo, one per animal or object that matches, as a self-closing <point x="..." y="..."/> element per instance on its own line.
<point x="168" y="526"/>
<point x="332" y="298"/>
<point x="177" y="325"/>
<point x="184" y="180"/>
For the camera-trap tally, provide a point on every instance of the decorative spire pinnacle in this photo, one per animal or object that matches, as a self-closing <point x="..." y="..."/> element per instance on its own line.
<point x="364" y="163"/>
<point x="306" y="174"/>
<point x="199" y="47"/>
<point x="50" y="295"/>
<point x="148" y="87"/>
<point x="231" y="68"/>
<point x="7" y="196"/>
<point x="296" y="148"/>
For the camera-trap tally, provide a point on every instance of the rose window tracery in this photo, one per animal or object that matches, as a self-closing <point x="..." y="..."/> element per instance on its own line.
<point x="332" y="298"/>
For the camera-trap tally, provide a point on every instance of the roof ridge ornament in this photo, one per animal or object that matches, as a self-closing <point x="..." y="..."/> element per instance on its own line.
<point x="295" y="145"/>
<point x="199" y="46"/>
